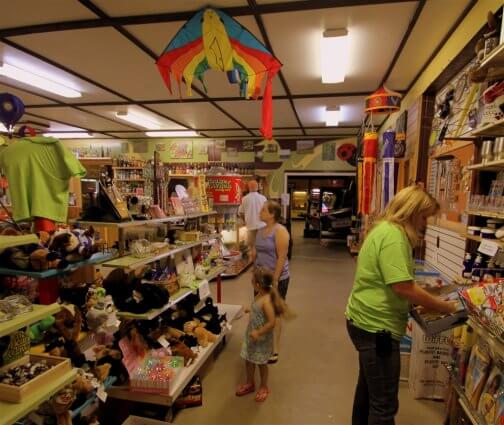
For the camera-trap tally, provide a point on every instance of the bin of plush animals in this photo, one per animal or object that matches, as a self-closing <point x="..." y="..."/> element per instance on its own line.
<point x="24" y="377"/>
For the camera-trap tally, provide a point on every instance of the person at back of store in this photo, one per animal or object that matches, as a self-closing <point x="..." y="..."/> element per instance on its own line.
<point x="250" y="209"/>
<point x="377" y="311"/>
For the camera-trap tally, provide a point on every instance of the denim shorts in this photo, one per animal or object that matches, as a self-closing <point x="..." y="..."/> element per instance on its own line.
<point x="283" y="285"/>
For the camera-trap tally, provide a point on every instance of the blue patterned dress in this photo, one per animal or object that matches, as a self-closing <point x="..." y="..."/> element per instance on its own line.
<point x="260" y="351"/>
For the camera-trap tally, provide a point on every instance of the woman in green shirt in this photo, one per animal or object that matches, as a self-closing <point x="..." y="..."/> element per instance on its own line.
<point x="377" y="311"/>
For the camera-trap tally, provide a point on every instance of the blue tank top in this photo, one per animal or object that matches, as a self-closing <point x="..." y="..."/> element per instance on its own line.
<point x="266" y="255"/>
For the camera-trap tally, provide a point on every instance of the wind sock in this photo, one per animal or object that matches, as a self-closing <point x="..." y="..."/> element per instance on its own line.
<point x="213" y="40"/>
<point x="370" y="150"/>
<point x="388" y="168"/>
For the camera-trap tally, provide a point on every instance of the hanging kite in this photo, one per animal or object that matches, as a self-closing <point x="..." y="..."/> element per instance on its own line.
<point x="213" y="40"/>
<point x="388" y="173"/>
<point x="370" y="150"/>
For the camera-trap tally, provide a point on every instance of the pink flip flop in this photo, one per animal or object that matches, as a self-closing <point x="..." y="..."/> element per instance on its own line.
<point x="245" y="389"/>
<point x="262" y="394"/>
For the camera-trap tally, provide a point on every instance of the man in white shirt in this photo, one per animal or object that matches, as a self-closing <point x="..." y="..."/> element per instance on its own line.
<point x="249" y="210"/>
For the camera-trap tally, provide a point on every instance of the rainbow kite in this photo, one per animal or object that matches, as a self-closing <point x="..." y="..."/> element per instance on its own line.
<point x="213" y="40"/>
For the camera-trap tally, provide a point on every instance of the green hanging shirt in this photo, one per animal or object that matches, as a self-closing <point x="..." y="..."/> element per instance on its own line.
<point x="38" y="170"/>
<point x="384" y="259"/>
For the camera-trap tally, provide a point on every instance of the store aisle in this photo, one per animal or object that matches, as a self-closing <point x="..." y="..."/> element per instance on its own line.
<point x="313" y="382"/>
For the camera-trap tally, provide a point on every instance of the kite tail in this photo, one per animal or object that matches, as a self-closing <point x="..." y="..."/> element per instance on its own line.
<point x="267" y="106"/>
<point x="165" y="73"/>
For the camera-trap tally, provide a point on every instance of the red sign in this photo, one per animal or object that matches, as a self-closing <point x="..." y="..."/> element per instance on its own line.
<point x="224" y="190"/>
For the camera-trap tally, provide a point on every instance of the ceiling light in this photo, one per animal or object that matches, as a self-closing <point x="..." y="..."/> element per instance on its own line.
<point x="38" y="81"/>
<point x="139" y="119"/>
<point x="334" y="55"/>
<point x="332" y="116"/>
<point x="3" y="128"/>
<point x="76" y="135"/>
<point x="190" y="133"/>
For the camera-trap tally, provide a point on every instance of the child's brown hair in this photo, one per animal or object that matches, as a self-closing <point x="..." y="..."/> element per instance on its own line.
<point x="264" y="278"/>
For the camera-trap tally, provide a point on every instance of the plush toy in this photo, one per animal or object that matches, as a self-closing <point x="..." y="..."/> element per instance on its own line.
<point x="209" y="315"/>
<point x="61" y="404"/>
<point x="102" y="318"/>
<point x="102" y="371"/>
<point x="180" y="349"/>
<point x="37" y="331"/>
<point x="196" y="328"/>
<point x="68" y="322"/>
<point x="74" y="245"/>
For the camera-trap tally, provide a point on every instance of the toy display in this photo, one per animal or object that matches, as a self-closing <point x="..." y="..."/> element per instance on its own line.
<point x="21" y="374"/>
<point x="73" y="245"/>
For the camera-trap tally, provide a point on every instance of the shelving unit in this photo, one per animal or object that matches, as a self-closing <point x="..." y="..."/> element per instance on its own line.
<point x="489" y="166"/>
<point x="450" y="147"/>
<point x="95" y="259"/>
<point x="123" y="392"/>
<point x="494" y="59"/>
<point x="27" y="319"/>
<point x="480" y="239"/>
<point x="493" y="130"/>
<point x="487" y="214"/>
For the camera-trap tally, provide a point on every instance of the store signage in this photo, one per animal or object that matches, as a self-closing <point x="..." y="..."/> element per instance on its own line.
<point x="488" y="247"/>
<point x="204" y="290"/>
<point x="224" y="190"/>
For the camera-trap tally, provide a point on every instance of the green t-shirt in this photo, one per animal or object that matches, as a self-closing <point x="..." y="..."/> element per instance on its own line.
<point x="384" y="259"/>
<point x="38" y="170"/>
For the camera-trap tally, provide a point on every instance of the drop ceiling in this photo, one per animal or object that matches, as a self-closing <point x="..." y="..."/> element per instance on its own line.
<point x="107" y="50"/>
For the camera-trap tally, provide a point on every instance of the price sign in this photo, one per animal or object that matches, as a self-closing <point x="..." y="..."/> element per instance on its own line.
<point x="204" y="290"/>
<point x="488" y="247"/>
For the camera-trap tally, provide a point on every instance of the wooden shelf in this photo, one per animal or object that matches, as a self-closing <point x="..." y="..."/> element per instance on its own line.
<point x="123" y="393"/>
<point x="493" y="130"/>
<point x="130" y="262"/>
<point x="12" y="241"/>
<point x="480" y="239"/>
<point x="489" y="166"/>
<point x="127" y="168"/>
<point x="494" y="59"/>
<point x="11" y="412"/>
<point x="485" y="214"/>
<point x="134" y="223"/>
<point x="95" y="259"/>
<point x="26" y="319"/>
<point x="129" y="180"/>
<point x="449" y="148"/>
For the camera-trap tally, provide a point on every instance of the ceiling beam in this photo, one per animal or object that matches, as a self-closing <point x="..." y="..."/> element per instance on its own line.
<point x="267" y="42"/>
<point x="280" y="7"/>
<point x="96" y="10"/>
<point x="404" y="40"/>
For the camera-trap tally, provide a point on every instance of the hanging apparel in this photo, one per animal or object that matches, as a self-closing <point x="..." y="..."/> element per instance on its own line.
<point x="388" y="168"/>
<point x="38" y="170"/>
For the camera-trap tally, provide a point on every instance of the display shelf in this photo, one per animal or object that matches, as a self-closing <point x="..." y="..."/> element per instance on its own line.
<point x="489" y="166"/>
<point x="480" y="239"/>
<point x="95" y="259"/>
<point x="495" y="129"/>
<point x="473" y="415"/>
<point x="107" y="384"/>
<point x="123" y="393"/>
<point x="450" y="148"/>
<point x="494" y="59"/>
<point x="11" y="412"/>
<point x="134" y="223"/>
<point x="130" y="262"/>
<point x="21" y="320"/>
<point x="234" y="274"/>
<point x="485" y="214"/>
<point x="493" y="342"/>
<point x="13" y="241"/>
<point x="129" y="180"/>
<point x="127" y="168"/>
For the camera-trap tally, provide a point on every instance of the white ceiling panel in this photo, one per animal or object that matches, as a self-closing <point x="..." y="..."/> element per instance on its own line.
<point x="312" y="111"/>
<point x="105" y="56"/>
<point x="22" y="60"/>
<point x="110" y="112"/>
<point x="224" y="134"/>
<point x="248" y="112"/>
<point x="375" y="33"/>
<point x="130" y="135"/>
<point x="27" y="98"/>
<point x="31" y="12"/>
<point x="196" y="115"/>
<point x="77" y="118"/>
<point x="282" y="132"/>
<point x="331" y="131"/>
<point x="436" y="19"/>
<point x="142" y="7"/>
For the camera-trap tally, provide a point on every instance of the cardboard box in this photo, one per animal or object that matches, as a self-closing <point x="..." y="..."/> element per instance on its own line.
<point x="14" y="394"/>
<point x="432" y="327"/>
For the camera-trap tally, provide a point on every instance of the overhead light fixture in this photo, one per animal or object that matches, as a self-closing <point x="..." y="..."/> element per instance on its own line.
<point x="3" y="128"/>
<point x="189" y="133"/>
<point x="139" y="119"/>
<point x="76" y="135"/>
<point x="38" y="81"/>
<point x="332" y="116"/>
<point x="334" y="55"/>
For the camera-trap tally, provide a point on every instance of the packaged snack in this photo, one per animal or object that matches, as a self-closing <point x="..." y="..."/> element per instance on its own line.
<point x="476" y="376"/>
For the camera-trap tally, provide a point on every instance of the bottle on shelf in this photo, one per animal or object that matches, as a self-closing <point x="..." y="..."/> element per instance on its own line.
<point x="468" y="266"/>
<point x="476" y="269"/>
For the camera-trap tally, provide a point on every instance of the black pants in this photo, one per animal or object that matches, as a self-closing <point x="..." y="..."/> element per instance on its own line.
<point x="376" y="396"/>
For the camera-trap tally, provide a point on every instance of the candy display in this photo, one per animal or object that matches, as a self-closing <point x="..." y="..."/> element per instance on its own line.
<point x="21" y="374"/>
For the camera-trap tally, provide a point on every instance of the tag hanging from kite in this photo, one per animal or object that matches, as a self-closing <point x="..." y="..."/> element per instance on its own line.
<point x="213" y="40"/>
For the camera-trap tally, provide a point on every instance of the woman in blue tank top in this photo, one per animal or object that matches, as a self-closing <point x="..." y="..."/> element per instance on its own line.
<point x="270" y="251"/>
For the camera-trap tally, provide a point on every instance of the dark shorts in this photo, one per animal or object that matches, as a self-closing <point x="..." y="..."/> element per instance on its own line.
<point x="283" y="286"/>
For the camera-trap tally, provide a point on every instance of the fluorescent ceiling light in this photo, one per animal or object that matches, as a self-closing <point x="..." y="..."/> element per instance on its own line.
<point x="334" y="54"/>
<point x="38" y="81"/>
<point x="139" y="119"/>
<point x="332" y="116"/>
<point x="3" y="128"/>
<point x="76" y="135"/>
<point x="172" y="134"/>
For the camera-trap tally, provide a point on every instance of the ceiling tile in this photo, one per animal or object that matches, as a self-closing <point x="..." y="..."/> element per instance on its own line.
<point x="110" y="112"/>
<point x="225" y="134"/>
<point x="90" y="93"/>
<point x="375" y="32"/>
<point x="288" y="132"/>
<point x="331" y="131"/>
<point x="31" y="12"/>
<point x="137" y="135"/>
<point x="77" y="118"/>
<point x="105" y="56"/>
<point x="248" y="112"/>
<point x="142" y="7"/>
<point x="196" y="115"/>
<point x="27" y="98"/>
<point x="312" y="111"/>
<point x="434" y="22"/>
